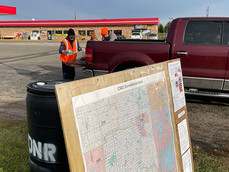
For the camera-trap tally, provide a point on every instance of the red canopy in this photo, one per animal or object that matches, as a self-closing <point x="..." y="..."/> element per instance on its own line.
<point x="6" y="10"/>
<point x="141" y="21"/>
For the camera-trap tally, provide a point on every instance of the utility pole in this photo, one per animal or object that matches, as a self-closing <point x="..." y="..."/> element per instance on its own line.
<point x="207" y="11"/>
<point x="75" y="15"/>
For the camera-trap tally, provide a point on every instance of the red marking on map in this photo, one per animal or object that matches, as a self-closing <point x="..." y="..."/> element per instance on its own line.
<point x="157" y="95"/>
<point x="95" y="160"/>
<point x="141" y="121"/>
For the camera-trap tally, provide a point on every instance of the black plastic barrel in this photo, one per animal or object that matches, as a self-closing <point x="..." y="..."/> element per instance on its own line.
<point x="47" y="151"/>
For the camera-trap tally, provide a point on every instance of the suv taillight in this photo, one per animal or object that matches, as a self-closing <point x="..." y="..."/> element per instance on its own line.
<point x="88" y="55"/>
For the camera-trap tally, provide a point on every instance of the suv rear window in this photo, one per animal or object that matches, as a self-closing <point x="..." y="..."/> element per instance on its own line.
<point x="135" y="33"/>
<point x="203" y="33"/>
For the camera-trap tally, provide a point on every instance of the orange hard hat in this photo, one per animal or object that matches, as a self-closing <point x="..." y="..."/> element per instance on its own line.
<point x="104" y="31"/>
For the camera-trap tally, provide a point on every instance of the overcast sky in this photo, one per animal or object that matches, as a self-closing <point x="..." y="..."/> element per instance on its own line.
<point x="101" y="9"/>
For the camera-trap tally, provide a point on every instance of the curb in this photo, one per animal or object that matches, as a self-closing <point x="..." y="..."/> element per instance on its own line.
<point x="16" y="40"/>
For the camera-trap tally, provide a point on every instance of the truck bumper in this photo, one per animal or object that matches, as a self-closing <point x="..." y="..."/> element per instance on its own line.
<point x="90" y="72"/>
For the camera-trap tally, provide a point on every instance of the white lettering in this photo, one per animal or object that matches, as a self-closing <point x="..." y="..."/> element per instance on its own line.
<point x="30" y="142"/>
<point x="51" y="152"/>
<point x="37" y="149"/>
<point x="43" y="151"/>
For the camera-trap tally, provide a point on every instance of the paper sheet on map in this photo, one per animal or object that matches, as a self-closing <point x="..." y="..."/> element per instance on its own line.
<point x="183" y="136"/>
<point x="187" y="161"/>
<point x="175" y="74"/>
<point x="182" y="113"/>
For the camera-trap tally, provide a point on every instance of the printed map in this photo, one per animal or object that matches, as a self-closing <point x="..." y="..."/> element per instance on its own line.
<point x="127" y="127"/>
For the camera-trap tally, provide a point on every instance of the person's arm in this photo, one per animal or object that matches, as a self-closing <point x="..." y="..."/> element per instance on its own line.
<point x="79" y="48"/>
<point x="62" y="49"/>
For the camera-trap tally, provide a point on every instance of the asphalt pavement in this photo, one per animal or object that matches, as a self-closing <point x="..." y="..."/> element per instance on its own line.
<point x="23" y="62"/>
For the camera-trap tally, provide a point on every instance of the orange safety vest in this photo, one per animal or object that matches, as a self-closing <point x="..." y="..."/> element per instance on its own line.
<point x="68" y="58"/>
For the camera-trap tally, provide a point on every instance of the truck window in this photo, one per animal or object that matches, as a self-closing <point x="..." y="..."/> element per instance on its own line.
<point x="203" y="33"/>
<point x="226" y="34"/>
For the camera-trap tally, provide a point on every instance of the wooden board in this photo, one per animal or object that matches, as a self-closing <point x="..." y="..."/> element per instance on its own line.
<point x="65" y="92"/>
<point x="179" y="117"/>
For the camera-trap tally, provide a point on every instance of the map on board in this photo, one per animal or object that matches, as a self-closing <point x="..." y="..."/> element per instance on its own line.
<point x="127" y="127"/>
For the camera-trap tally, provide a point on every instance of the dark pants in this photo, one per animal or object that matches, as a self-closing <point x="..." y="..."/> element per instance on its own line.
<point x="68" y="72"/>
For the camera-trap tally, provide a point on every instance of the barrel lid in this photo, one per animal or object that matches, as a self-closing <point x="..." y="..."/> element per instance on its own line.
<point x="44" y="87"/>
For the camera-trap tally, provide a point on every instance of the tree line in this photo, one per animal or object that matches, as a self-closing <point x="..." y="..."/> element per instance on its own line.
<point x="162" y="29"/>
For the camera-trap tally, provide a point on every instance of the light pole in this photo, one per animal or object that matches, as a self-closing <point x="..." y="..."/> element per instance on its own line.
<point x="170" y="19"/>
<point x="207" y="11"/>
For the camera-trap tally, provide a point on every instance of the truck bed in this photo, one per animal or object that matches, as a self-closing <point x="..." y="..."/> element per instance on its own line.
<point x="109" y="55"/>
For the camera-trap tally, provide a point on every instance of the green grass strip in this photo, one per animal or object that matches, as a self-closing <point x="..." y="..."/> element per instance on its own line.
<point x="14" y="155"/>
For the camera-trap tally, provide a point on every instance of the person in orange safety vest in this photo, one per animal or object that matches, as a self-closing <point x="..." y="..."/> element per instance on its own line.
<point x="68" y="52"/>
<point x="106" y="35"/>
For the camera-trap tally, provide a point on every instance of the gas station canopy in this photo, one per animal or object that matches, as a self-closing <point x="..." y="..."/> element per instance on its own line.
<point x="7" y="10"/>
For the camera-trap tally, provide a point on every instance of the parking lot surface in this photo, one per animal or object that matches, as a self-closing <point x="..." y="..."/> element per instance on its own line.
<point x="23" y="62"/>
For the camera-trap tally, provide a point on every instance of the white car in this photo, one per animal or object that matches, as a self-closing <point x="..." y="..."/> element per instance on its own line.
<point x="136" y="35"/>
<point x="153" y="36"/>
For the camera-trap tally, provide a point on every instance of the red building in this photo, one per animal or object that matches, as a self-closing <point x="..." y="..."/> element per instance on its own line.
<point x="57" y="29"/>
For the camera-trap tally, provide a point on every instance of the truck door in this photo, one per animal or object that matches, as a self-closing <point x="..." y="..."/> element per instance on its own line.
<point x="203" y="54"/>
